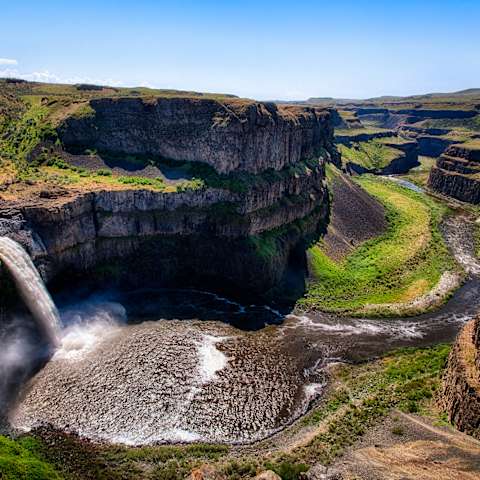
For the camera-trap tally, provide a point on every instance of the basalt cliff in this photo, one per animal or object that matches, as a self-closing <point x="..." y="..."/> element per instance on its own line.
<point x="460" y="395"/>
<point x="239" y="233"/>
<point x="457" y="172"/>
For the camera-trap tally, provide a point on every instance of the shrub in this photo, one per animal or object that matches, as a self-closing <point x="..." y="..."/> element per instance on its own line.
<point x="104" y="172"/>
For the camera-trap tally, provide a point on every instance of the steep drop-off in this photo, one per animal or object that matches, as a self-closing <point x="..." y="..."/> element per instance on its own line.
<point x="355" y="217"/>
<point x="240" y="240"/>
<point x="460" y="394"/>
<point x="230" y="135"/>
<point x="457" y="172"/>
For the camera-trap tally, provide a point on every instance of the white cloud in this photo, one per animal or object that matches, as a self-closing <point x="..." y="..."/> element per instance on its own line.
<point x="49" y="77"/>
<point x="8" y="61"/>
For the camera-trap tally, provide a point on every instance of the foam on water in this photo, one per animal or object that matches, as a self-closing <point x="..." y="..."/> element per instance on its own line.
<point x="175" y="435"/>
<point x="396" y="328"/>
<point x="211" y="360"/>
<point x="313" y="390"/>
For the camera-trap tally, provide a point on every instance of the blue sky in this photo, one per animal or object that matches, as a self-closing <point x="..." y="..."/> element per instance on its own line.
<point x="259" y="49"/>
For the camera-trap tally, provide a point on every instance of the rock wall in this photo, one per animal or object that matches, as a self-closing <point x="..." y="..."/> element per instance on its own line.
<point x="141" y="236"/>
<point x="432" y="146"/>
<point x="457" y="173"/>
<point x="230" y="135"/>
<point x="240" y="242"/>
<point x="460" y="395"/>
<point x="348" y="139"/>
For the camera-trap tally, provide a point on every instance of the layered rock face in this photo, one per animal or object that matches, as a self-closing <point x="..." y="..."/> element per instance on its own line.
<point x="230" y="135"/>
<point x="241" y="242"/>
<point x="457" y="172"/>
<point x="460" y="394"/>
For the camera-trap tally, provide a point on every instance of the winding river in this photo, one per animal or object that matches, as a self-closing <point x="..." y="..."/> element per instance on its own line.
<point x="174" y="365"/>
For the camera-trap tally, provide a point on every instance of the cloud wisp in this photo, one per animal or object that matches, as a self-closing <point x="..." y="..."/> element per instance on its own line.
<point x="8" y="61"/>
<point x="49" y="77"/>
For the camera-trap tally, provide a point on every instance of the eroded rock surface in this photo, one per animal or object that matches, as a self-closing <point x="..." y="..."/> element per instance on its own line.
<point x="457" y="172"/>
<point x="238" y="239"/>
<point x="229" y="134"/>
<point x="460" y="395"/>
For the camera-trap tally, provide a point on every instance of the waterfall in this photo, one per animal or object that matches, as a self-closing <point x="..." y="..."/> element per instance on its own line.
<point x="31" y="288"/>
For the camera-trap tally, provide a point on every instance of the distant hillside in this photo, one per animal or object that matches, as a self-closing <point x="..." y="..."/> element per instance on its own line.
<point x="467" y="95"/>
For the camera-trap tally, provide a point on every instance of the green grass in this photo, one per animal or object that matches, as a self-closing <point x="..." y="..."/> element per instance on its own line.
<point x="20" y="136"/>
<point x="419" y="175"/>
<point x="373" y="155"/>
<point x="468" y="124"/>
<point x="398" y="266"/>
<point x="393" y="140"/>
<point x="406" y="379"/>
<point x="21" y="460"/>
<point x="351" y="132"/>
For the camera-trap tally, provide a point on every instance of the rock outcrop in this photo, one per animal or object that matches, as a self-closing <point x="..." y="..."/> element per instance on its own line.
<point x="236" y="241"/>
<point x="230" y="135"/>
<point x="433" y="146"/>
<point x="460" y="395"/>
<point x="457" y="172"/>
<point x="360" y="135"/>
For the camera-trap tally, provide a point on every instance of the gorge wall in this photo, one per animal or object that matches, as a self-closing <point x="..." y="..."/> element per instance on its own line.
<point x="457" y="172"/>
<point x="241" y="241"/>
<point x="460" y="395"/>
<point x="229" y="135"/>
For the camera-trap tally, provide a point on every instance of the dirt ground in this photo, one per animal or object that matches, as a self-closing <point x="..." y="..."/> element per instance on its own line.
<point x="405" y="447"/>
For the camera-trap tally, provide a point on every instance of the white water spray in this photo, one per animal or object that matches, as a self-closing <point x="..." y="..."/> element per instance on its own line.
<point x="31" y="288"/>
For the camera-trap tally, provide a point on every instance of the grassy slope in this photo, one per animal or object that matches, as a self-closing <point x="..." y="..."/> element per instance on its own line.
<point x="372" y="155"/>
<point x="405" y="379"/>
<point x="359" y="397"/>
<point x="350" y="132"/>
<point x="405" y="262"/>
<point x="467" y="124"/>
<point x="21" y="460"/>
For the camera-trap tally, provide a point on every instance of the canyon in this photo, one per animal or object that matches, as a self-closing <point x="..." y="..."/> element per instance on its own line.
<point x="269" y="196"/>
<point x="241" y="279"/>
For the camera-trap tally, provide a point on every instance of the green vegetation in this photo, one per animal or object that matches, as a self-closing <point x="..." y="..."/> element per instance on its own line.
<point x="372" y="155"/>
<point x="406" y="379"/>
<point x="30" y="112"/>
<point x="467" y="124"/>
<point x="21" y="460"/>
<point x="393" y="140"/>
<point x="83" y="111"/>
<point x="352" y="132"/>
<point x="18" y="138"/>
<point x="419" y="175"/>
<point x="405" y="262"/>
<point x="154" y="182"/>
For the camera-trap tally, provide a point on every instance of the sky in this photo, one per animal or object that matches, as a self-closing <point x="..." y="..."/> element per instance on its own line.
<point x="259" y="49"/>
